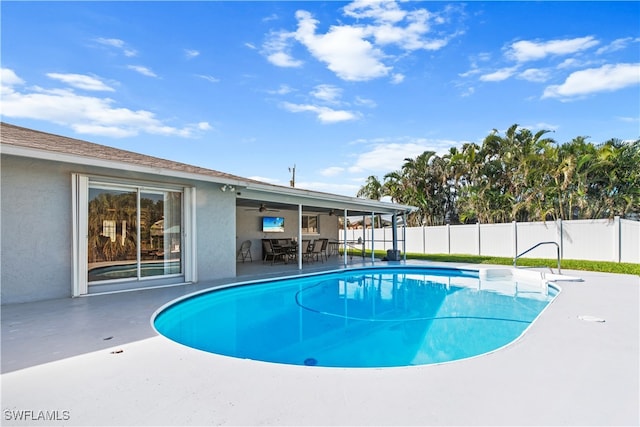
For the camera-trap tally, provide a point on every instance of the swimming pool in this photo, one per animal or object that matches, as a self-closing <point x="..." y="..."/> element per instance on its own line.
<point x="368" y="317"/>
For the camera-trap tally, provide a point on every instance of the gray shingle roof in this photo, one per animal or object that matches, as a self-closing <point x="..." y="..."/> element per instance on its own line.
<point x="29" y="138"/>
<point x="75" y="150"/>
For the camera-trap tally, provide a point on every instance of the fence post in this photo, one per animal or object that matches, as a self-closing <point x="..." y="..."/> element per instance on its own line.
<point x="479" y="243"/>
<point x="561" y="237"/>
<point x="515" y="239"/>
<point x="617" y="240"/>
<point x="449" y="239"/>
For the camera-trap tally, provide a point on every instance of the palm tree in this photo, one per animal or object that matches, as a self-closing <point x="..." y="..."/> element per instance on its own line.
<point x="373" y="189"/>
<point x="519" y="176"/>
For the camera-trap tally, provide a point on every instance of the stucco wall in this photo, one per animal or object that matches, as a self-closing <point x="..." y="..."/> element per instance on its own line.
<point x="36" y="227"/>
<point x="36" y="230"/>
<point x="215" y="237"/>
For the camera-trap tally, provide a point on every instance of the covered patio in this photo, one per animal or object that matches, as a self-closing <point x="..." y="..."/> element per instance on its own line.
<point x="311" y="216"/>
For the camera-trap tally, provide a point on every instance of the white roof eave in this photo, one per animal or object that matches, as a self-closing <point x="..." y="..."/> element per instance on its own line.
<point x="285" y="194"/>
<point x="281" y="193"/>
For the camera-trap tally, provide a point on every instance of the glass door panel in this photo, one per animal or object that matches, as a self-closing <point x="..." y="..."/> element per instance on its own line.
<point x="112" y="234"/>
<point x="160" y="236"/>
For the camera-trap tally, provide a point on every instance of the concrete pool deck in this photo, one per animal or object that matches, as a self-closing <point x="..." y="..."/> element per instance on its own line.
<point x="97" y="361"/>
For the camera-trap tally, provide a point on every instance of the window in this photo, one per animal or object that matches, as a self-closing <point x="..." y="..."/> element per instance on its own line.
<point x="133" y="233"/>
<point x="310" y="224"/>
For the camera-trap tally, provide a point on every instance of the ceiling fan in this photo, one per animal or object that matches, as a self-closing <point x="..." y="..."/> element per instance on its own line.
<point x="263" y="208"/>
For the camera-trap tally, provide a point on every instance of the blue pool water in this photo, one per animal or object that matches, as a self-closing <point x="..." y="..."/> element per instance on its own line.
<point x="375" y="317"/>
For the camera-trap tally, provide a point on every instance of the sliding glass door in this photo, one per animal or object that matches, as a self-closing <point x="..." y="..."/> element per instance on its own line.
<point x="133" y="232"/>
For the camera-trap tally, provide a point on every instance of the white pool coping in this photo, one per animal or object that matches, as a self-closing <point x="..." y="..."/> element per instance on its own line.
<point x="564" y="371"/>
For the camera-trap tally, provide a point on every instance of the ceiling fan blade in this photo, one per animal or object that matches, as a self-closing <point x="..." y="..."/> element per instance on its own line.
<point x="262" y="208"/>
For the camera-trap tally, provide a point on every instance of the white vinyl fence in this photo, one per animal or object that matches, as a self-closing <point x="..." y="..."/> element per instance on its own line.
<point x="616" y="240"/>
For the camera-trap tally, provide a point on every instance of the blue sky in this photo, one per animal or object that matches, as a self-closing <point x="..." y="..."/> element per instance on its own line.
<point x="341" y="90"/>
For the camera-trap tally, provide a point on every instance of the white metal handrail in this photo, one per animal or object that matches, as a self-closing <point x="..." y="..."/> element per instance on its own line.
<point x="535" y="246"/>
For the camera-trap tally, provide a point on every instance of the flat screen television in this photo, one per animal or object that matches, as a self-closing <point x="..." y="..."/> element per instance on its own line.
<point x="273" y="224"/>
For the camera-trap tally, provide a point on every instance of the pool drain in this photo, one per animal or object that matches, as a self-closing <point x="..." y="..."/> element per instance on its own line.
<point x="310" y="361"/>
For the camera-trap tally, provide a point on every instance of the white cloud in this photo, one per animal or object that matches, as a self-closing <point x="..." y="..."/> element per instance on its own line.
<point x="473" y="71"/>
<point x="388" y="28"/>
<point x="380" y="11"/>
<point x="142" y="70"/>
<point x="324" y="114"/>
<point x="607" y="78"/>
<point x="365" y="102"/>
<point x="618" y="44"/>
<point x="468" y="91"/>
<point x="385" y="156"/>
<point x="282" y="59"/>
<point x="329" y="187"/>
<point x="474" y="60"/>
<point x="629" y="119"/>
<point x="277" y="50"/>
<point x="343" y="48"/>
<point x="397" y="78"/>
<point x="9" y="78"/>
<point x="327" y="93"/>
<point x="534" y="75"/>
<point x="499" y="75"/>
<point x="191" y="53"/>
<point x="85" y="114"/>
<point x="209" y="78"/>
<point x="570" y="63"/>
<point x="525" y="50"/>
<point x="203" y="126"/>
<point x="282" y="90"/>
<point x="81" y="81"/>
<point x="355" y="52"/>
<point x="118" y="44"/>
<point x="541" y="126"/>
<point x="332" y="171"/>
<point x="271" y="17"/>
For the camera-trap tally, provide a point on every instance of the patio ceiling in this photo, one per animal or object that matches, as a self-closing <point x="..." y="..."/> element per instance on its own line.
<point x="288" y="199"/>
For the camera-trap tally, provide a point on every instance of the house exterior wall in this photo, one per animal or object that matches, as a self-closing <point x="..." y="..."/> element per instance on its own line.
<point x="37" y="227"/>
<point x="36" y="247"/>
<point x="216" y="231"/>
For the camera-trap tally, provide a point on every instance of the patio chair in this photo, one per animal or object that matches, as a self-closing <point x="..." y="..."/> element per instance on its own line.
<point x="244" y="252"/>
<point x="316" y="250"/>
<point x="274" y="253"/>
<point x="324" y="250"/>
<point x="306" y="250"/>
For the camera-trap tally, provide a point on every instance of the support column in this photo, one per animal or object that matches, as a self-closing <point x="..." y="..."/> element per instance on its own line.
<point x="299" y="236"/>
<point x="373" y="223"/>
<point x="344" y="244"/>
<point x="364" y="235"/>
<point x="404" y="236"/>
<point x="394" y="233"/>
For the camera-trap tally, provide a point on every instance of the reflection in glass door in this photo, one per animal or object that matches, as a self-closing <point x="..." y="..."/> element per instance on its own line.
<point x="160" y="225"/>
<point x="133" y="233"/>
